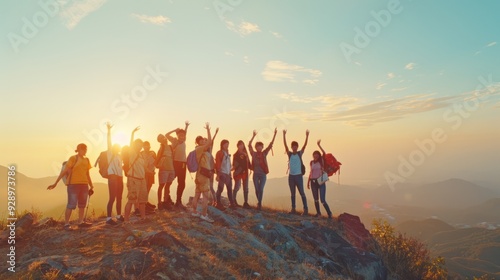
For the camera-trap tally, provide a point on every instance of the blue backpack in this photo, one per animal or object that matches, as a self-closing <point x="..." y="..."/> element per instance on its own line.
<point x="191" y="162"/>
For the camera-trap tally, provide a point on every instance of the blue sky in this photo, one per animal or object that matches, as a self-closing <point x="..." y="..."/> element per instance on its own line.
<point x="257" y="65"/>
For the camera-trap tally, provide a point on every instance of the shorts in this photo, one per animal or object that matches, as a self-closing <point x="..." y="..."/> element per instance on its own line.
<point x="202" y="183"/>
<point x="137" y="190"/>
<point x="166" y="176"/>
<point x="77" y="194"/>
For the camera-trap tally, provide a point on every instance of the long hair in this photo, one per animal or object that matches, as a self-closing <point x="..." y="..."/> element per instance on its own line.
<point x="320" y="157"/>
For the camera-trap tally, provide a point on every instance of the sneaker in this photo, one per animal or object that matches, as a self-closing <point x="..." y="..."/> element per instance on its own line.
<point x="149" y="205"/>
<point x="247" y="206"/>
<point x="111" y="222"/>
<point x="67" y="227"/>
<point x="195" y="214"/>
<point x="306" y="212"/>
<point x="220" y="207"/>
<point x="85" y="225"/>
<point x="329" y="215"/>
<point x="206" y="218"/>
<point x="317" y="215"/>
<point x="120" y="219"/>
<point x="292" y="212"/>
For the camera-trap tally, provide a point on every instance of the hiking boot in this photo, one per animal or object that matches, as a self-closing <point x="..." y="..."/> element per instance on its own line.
<point x="293" y="212"/>
<point x="206" y="218"/>
<point x="111" y="222"/>
<point x="84" y="225"/>
<point x="180" y="207"/>
<point x="247" y="206"/>
<point x="220" y="207"/>
<point x="120" y="219"/>
<point x="306" y="212"/>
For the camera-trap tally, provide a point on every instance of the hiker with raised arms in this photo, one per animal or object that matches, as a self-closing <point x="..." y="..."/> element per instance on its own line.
<point x="316" y="183"/>
<point x="179" y="146"/>
<point x="296" y="171"/>
<point x="241" y="166"/>
<point x="150" y="159"/>
<point x="212" y="189"/>
<point x="223" y="169"/>
<point x="78" y="182"/>
<point x="166" y="174"/>
<point x="259" y="165"/>
<point x="135" y="170"/>
<point x="203" y="174"/>
<point x="115" y="179"/>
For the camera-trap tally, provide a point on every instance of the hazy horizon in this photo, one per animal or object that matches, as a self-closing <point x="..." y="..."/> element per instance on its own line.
<point x="398" y="91"/>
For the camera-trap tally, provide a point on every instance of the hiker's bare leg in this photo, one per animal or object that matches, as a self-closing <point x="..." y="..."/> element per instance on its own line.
<point x="195" y="201"/>
<point x="128" y="207"/>
<point x="204" y="202"/>
<point x="81" y="212"/>
<point x="67" y="216"/>
<point x="142" y="210"/>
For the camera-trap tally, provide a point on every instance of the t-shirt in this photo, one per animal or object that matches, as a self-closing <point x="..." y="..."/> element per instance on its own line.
<point x="226" y="163"/>
<point x="149" y="158"/>
<point x="295" y="163"/>
<point x="204" y="158"/>
<point x="78" y="175"/>
<point x="316" y="170"/>
<point x="137" y="166"/>
<point x="114" y="164"/>
<point x="257" y="168"/>
<point x="240" y="163"/>
<point x="166" y="159"/>
<point x="179" y="149"/>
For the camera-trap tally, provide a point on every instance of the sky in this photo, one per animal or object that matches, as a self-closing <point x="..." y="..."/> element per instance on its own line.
<point x="399" y="91"/>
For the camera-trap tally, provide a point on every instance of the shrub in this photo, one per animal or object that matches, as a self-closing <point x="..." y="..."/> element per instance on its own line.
<point x="406" y="257"/>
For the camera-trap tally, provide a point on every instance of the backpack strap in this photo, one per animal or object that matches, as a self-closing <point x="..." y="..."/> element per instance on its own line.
<point x="132" y="165"/>
<point x="71" y="173"/>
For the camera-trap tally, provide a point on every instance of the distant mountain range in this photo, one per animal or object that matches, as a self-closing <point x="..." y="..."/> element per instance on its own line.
<point x="469" y="252"/>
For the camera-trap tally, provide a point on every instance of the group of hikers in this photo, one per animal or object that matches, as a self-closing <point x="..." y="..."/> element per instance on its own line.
<point x="139" y="163"/>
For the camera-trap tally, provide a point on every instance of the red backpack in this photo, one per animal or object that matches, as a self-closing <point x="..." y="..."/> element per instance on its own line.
<point x="331" y="164"/>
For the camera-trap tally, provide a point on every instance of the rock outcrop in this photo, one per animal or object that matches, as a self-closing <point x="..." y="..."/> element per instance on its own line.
<point x="241" y="244"/>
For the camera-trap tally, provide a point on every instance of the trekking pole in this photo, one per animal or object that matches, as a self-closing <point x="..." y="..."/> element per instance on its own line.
<point x="86" y="210"/>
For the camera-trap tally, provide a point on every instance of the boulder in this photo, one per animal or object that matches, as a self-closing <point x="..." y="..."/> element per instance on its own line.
<point x="354" y="231"/>
<point x="162" y="239"/>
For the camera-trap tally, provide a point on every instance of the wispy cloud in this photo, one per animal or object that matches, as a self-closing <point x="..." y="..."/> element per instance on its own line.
<point x="491" y="44"/>
<point x="279" y="71"/>
<point x="245" y="28"/>
<point x="228" y="53"/>
<point x="241" y="111"/>
<point x="276" y="35"/>
<point x="380" y="86"/>
<point x="362" y="113"/>
<point x="246" y="59"/>
<point x="390" y="75"/>
<point x="73" y="12"/>
<point x="399" y="89"/>
<point x="410" y="66"/>
<point x="157" y="20"/>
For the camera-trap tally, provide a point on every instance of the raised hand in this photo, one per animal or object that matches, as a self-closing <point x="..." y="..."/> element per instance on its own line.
<point x="319" y="142"/>
<point x="307" y="132"/>
<point x="207" y="126"/>
<point x="254" y="132"/>
<point x="275" y="130"/>
<point x="217" y="130"/>
<point x="284" y="131"/>
<point x="187" y="123"/>
<point x="136" y="129"/>
<point x="109" y="125"/>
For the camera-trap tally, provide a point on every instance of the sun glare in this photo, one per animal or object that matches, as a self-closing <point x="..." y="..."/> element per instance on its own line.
<point x="120" y="138"/>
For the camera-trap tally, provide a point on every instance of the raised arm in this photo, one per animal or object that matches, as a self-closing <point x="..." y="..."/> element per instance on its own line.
<point x="250" y="148"/>
<point x="187" y="123"/>
<point x="109" y="126"/>
<point x="132" y="136"/>
<point x="305" y="143"/>
<point x="284" y="141"/>
<point x="208" y="144"/>
<point x="169" y="135"/>
<point x="213" y="139"/>
<point x="272" y="141"/>
<point x="321" y="148"/>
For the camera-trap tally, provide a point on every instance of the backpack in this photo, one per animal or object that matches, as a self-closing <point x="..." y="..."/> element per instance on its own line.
<point x="66" y="178"/>
<point x="102" y="162"/>
<point x="126" y="159"/>
<point x="331" y="165"/>
<point x="191" y="162"/>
